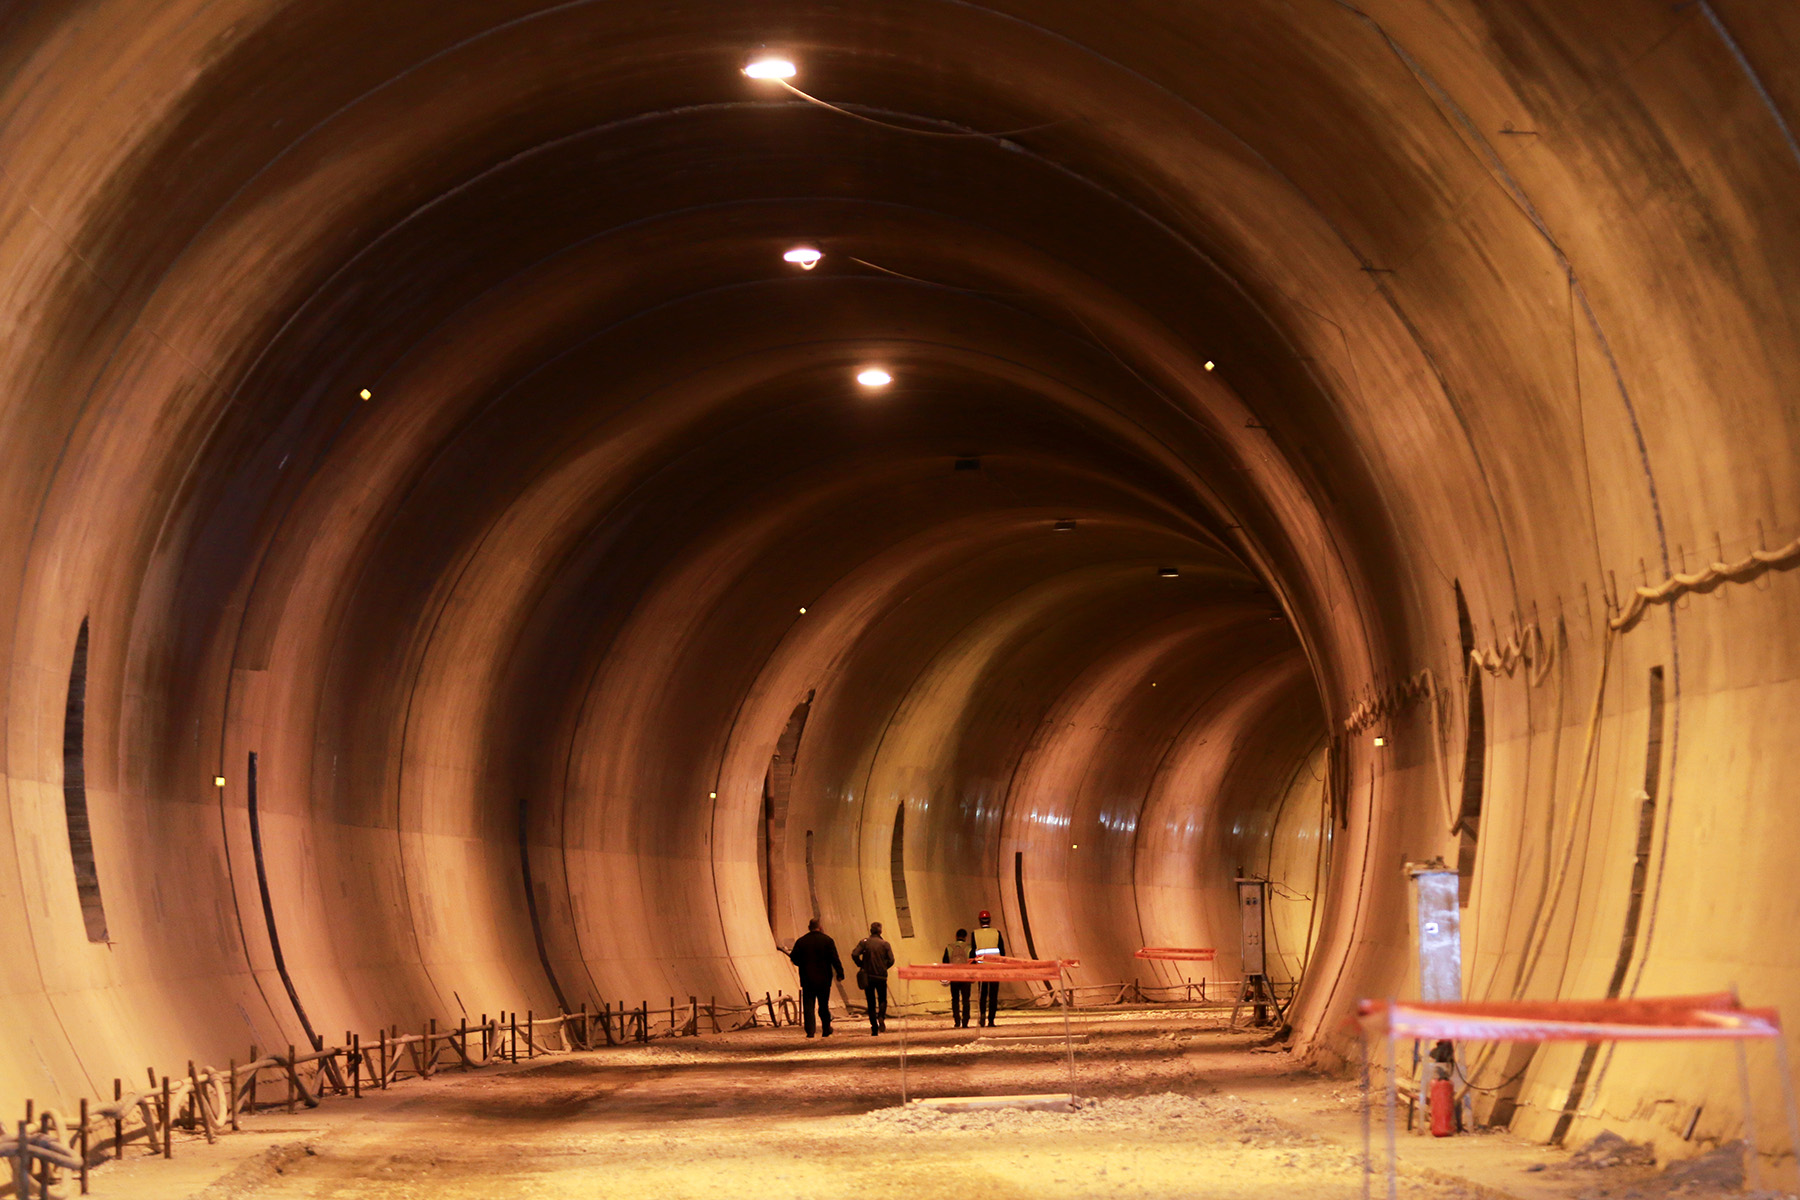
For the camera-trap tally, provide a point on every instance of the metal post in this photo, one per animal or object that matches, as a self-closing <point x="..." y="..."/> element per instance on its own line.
<point x="84" y="1146"/>
<point x="1752" y="1158"/>
<point x="1393" y="1083"/>
<point x="22" y="1162"/>
<point x="293" y="1074"/>
<point x="118" y="1119"/>
<point x="1069" y="1044"/>
<point x="903" y="1010"/>
<point x="530" y="1035"/>
<point x="1368" y="1140"/>
<point x="1787" y="1091"/>
<point x="384" y="1059"/>
<point x="168" y="1120"/>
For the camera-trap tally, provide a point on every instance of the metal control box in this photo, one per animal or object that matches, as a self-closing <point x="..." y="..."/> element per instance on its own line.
<point x="1439" y="931"/>
<point x="1251" y="895"/>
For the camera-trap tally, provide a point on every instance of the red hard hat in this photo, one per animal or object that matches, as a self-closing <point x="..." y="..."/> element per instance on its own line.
<point x="985" y="916"/>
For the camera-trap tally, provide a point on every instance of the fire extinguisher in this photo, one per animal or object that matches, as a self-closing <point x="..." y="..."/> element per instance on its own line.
<point x="1443" y="1108"/>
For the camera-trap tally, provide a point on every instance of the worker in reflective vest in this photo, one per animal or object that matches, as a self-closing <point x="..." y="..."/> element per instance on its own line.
<point x="989" y="942"/>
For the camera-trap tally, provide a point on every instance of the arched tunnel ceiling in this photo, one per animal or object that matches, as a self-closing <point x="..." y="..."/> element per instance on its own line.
<point x="1327" y="308"/>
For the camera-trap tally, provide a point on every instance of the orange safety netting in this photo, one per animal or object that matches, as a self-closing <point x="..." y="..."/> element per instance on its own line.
<point x="992" y="969"/>
<point x="1176" y="953"/>
<point x="1669" y="1018"/>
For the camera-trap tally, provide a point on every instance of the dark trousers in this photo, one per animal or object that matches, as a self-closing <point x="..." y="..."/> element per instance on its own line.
<point x="816" y="996"/>
<point x="876" y="996"/>
<point x="959" y="1004"/>
<point x="990" y="1002"/>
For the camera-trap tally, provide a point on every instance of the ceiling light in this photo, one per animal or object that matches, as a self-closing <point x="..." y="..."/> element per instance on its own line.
<point x="873" y="377"/>
<point x="365" y="393"/>
<point x="218" y="781"/>
<point x="1064" y="527"/>
<point x="803" y="610"/>
<point x="1169" y="573"/>
<point x="770" y="68"/>
<point x="1380" y="741"/>
<point x="804" y="257"/>
<point x="712" y="795"/>
<point x="1209" y="365"/>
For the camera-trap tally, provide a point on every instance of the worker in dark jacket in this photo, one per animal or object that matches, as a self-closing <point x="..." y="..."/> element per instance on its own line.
<point x="873" y="956"/>
<point x="957" y="954"/>
<point x="817" y="957"/>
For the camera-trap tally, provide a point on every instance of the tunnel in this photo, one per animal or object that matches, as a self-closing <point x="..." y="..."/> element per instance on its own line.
<point x="507" y="510"/>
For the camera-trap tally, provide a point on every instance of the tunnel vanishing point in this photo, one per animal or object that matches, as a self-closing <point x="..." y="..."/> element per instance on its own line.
<point x="448" y="561"/>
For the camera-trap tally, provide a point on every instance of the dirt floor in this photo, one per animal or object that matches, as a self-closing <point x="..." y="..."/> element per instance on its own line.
<point x="1173" y="1106"/>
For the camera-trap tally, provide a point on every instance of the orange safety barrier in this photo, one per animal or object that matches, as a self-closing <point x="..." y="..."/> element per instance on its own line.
<point x="993" y="969"/>
<point x="1176" y="953"/>
<point x="1716" y="1016"/>
<point x="1670" y="1018"/>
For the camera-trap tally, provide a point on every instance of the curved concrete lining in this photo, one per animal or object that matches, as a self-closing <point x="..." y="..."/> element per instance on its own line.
<point x="1333" y="309"/>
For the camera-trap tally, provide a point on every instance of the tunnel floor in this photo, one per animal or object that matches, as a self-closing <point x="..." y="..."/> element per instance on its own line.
<point x="1177" y="1106"/>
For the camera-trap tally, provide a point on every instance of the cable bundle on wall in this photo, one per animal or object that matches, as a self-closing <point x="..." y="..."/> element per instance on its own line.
<point x="1526" y="647"/>
<point x="1678" y="585"/>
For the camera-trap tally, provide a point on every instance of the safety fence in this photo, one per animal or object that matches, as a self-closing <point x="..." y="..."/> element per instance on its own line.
<point x="47" y="1149"/>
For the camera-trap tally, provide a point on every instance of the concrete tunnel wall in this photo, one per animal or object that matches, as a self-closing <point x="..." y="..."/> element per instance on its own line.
<point x="1500" y="298"/>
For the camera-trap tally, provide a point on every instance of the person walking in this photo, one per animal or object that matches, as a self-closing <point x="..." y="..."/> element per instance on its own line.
<point x="817" y="957"/>
<point x="989" y="943"/>
<point x="873" y="956"/>
<point x="957" y="954"/>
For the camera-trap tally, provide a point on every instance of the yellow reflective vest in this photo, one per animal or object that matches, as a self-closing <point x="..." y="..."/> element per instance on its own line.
<point x="987" y="941"/>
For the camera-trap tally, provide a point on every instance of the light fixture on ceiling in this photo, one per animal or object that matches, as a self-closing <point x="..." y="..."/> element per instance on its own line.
<point x="1169" y="573"/>
<point x="1064" y="526"/>
<point x="873" y="377"/>
<point x="365" y="393"/>
<point x="1209" y="364"/>
<point x="803" y="610"/>
<point x="712" y="795"/>
<point x="771" y="68"/>
<point x="804" y="257"/>
<point x="1380" y="741"/>
<point x="218" y="781"/>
